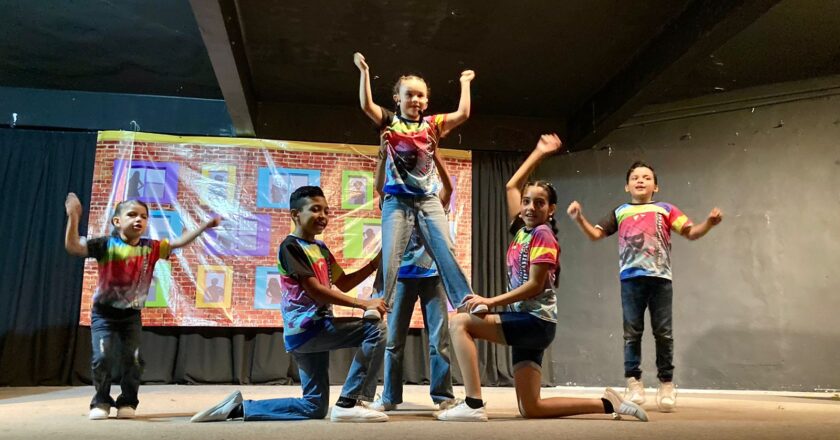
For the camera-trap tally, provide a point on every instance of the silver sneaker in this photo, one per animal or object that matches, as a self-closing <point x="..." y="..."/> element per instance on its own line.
<point x="624" y="407"/>
<point x="380" y="405"/>
<point x="666" y="397"/>
<point x="462" y="413"/>
<point x="372" y="315"/>
<point x="220" y="411"/>
<point x="357" y="414"/>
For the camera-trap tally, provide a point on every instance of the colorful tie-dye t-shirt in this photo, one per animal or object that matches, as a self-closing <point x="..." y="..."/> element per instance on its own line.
<point x="125" y="271"/>
<point x="535" y="246"/>
<point x="298" y="259"/>
<point x="644" y="237"/>
<point x="409" y="148"/>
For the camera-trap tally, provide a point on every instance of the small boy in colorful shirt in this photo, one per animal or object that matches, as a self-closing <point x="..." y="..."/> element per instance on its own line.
<point x="307" y="272"/>
<point x="644" y="242"/>
<point x="126" y="263"/>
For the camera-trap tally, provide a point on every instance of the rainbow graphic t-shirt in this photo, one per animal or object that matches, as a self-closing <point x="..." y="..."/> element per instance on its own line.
<point x="535" y="246"/>
<point x="416" y="261"/>
<point x="409" y="148"/>
<point x="298" y="259"/>
<point x="125" y="271"/>
<point x="644" y="237"/>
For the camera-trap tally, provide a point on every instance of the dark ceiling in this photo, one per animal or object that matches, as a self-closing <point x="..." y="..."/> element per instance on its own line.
<point x="589" y="62"/>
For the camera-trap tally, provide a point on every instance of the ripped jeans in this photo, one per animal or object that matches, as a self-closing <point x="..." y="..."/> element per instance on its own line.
<point x="115" y="338"/>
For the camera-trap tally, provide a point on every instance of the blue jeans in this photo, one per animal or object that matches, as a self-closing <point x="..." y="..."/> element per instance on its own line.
<point x="400" y="215"/>
<point x="637" y="294"/>
<point x="115" y="337"/>
<point x="313" y="360"/>
<point x="435" y="315"/>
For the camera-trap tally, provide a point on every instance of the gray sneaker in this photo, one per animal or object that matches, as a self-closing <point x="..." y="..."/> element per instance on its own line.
<point x="372" y="315"/>
<point x="666" y="397"/>
<point x="220" y="411"/>
<point x="624" y="407"/>
<point x="635" y="391"/>
<point x="380" y="405"/>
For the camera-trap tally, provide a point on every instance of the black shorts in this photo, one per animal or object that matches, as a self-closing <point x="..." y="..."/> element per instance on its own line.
<point x="527" y="335"/>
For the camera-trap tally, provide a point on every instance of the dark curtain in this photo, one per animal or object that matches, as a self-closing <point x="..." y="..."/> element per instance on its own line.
<point x="490" y="240"/>
<point x="40" y="284"/>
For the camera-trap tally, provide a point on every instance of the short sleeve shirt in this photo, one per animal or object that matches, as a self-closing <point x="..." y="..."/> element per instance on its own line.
<point x="644" y="237"/>
<point x="410" y="147"/>
<point x="303" y="316"/>
<point x="534" y="246"/>
<point x="125" y="271"/>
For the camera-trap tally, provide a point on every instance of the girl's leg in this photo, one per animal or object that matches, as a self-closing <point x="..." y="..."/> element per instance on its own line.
<point x="528" y="380"/>
<point x="398" y="219"/>
<point x="436" y="317"/>
<point x="398" y="320"/>
<point x="432" y="223"/>
<point x="464" y="329"/>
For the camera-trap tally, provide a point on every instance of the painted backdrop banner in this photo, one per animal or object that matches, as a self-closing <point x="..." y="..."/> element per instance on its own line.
<point x="228" y="277"/>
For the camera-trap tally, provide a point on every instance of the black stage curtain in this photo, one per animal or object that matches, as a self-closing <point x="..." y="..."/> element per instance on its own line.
<point x="40" y="285"/>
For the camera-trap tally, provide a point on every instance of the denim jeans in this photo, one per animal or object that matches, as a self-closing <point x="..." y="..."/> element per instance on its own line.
<point x="435" y="315"/>
<point x="313" y="360"/>
<point x="400" y="214"/>
<point x="637" y="294"/>
<point x="115" y="338"/>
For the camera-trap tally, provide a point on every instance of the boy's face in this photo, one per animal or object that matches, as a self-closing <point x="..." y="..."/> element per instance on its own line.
<point x="641" y="184"/>
<point x="313" y="216"/>
<point x="413" y="98"/>
<point x="132" y="222"/>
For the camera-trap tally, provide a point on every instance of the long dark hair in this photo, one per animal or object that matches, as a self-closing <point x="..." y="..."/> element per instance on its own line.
<point x="552" y="200"/>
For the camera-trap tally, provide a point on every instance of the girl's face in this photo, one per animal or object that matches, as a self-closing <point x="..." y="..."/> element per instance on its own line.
<point x="413" y="98"/>
<point x="534" y="207"/>
<point x="131" y="222"/>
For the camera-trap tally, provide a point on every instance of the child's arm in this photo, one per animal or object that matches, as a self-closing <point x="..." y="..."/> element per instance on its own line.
<point x="696" y="231"/>
<point x="575" y="212"/>
<point x="372" y="110"/>
<point x="189" y="236"/>
<point x="379" y="177"/>
<point x="537" y="276"/>
<point x="546" y="146"/>
<point x="461" y="115"/>
<point x="72" y="243"/>
<point x="325" y="295"/>
<point x="446" y="191"/>
<point x="347" y="281"/>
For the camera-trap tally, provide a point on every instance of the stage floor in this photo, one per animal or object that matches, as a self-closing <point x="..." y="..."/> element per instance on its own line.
<point x="164" y="412"/>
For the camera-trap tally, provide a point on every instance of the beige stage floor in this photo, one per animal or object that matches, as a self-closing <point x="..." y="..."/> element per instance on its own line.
<point x="61" y="413"/>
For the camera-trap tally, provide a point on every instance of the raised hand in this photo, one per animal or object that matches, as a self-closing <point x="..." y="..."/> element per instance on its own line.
<point x="574" y="210"/>
<point x="467" y="76"/>
<point x="549" y="143"/>
<point x="715" y="217"/>
<point x="72" y="205"/>
<point x="359" y="60"/>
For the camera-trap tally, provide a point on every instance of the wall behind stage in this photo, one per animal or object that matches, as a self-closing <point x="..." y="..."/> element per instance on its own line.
<point x="225" y="278"/>
<point x="756" y="301"/>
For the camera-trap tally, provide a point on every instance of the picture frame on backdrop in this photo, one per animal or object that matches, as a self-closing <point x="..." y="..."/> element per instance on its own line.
<point x="362" y="237"/>
<point x="356" y="190"/>
<point x="275" y="185"/>
<point x="151" y="182"/>
<point x="243" y="234"/>
<point x="159" y="290"/>
<point x="214" y="287"/>
<point x="268" y="293"/>
<point x="218" y="185"/>
<point x="164" y="224"/>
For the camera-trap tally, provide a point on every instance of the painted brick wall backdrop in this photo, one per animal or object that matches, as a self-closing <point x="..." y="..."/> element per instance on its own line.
<point x="225" y="277"/>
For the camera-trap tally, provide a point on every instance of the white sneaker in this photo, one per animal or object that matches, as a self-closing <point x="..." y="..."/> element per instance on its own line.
<point x="220" y="411"/>
<point x="462" y="413"/>
<point x="125" y="412"/>
<point x="372" y="315"/>
<point x="99" y="412"/>
<point x="624" y="407"/>
<point x="448" y="403"/>
<point x="635" y="391"/>
<point x="357" y="414"/>
<point x="380" y="405"/>
<point x="666" y="397"/>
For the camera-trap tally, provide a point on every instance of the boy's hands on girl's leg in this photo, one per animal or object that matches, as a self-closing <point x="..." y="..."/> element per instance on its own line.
<point x="377" y="304"/>
<point x="72" y="205"/>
